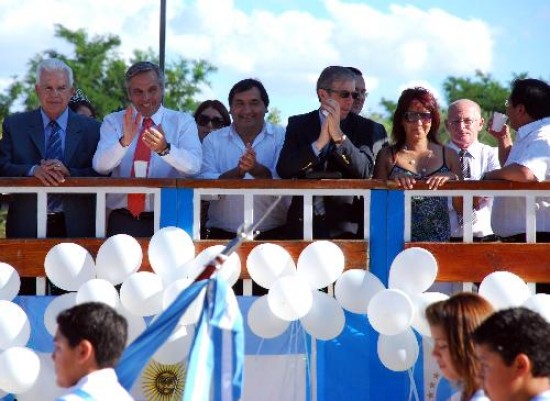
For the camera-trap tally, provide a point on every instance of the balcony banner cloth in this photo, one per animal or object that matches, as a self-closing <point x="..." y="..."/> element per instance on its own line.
<point x="214" y="361"/>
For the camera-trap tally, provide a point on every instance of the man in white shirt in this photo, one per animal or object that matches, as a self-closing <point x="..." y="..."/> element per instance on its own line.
<point x="146" y="131"/>
<point x="464" y="123"/>
<point x="88" y="343"/>
<point x="528" y="160"/>
<point x="247" y="149"/>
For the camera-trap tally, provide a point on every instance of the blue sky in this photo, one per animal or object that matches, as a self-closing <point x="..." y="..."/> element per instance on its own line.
<point x="286" y="43"/>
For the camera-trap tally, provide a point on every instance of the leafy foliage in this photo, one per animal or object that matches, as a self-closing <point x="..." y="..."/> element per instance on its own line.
<point x="99" y="73"/>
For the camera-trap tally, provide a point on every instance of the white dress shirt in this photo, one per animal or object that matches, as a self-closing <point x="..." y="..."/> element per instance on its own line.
<point x="222" y="150"/>
<point x="101" y="385"/>
<point x="531" y="150"/>
<point x="481" y="158"/>
<point x="184" y="159"/>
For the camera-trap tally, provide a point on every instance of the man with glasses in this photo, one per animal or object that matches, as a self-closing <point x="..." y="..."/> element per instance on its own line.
<point x="464" y="123"/>
<point x="331" y="142"/>
<point x="50" y="143"/>
<point x="146" y="133"/>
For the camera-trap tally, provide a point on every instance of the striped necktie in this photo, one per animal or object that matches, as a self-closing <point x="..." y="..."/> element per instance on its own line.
<point x="466" y="174"/>
<point x="54" y="151"/>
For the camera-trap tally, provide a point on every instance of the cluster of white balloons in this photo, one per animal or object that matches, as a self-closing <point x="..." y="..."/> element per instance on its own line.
<point x="294" y="290"/>
<point x="20" y="366"/>
<point x="72" y="268"/>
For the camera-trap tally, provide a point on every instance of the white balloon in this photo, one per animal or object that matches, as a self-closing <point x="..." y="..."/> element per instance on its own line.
<point x="326" y="318"/>
<point x="98" y="290"/>
<point x="176" y="348"/>
<point x="136" y="324"/>
<point x="118" y="257"/>
<point x="398" y="352"/>
<point x="355" y="289"/>
<point x="141" y="293"/>
<point x="390" y="312"/>
<point x="267" y="262"/>
<point x="263" y="322"/>
<point x="10" y="282"/>
<point x="54" y="308"/>
<point x="20" y="367"/>
<point x="169" y="249"/>
<point x="413" y="271"/>
<point x="290" y="297"/>
<point x="230" y="269"/>
<point x="45" y="387"/>
<point x="421" y="302"/>
<point x="504" y="290"/>
<point x="69" y="265"/>
<point x="539" y="303"/>
<point x="15" y="329"/>
<point x="321" y="263"/>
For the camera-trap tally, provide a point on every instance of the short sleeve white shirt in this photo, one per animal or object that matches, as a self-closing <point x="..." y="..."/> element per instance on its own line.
<point x="222" y="150"/>
<point x="531" y="150"/>
<point x="481" y="159"/>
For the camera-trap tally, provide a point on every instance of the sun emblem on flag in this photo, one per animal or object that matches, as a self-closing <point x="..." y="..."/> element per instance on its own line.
<point x="163" y="382"/>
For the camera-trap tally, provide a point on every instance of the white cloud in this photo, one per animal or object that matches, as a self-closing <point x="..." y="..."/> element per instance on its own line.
<point x="287" y="50"/>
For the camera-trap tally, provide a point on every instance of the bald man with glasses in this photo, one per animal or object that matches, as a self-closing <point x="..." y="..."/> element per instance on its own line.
<point x="331" y="142"/>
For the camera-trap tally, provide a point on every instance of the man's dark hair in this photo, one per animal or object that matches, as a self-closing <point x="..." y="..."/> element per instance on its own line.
<point x="247" y="84"/>
<point x="99" y="324"/>
<point x="534" y="95"/>
<point x="142" y="67"/>
<point x="515" y="331"/>
<point x="332" y="74"/>
<point x="356" y="71"/>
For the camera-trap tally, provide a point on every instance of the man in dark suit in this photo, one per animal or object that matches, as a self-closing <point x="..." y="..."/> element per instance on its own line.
<point x="50" y="143"/>
<point x="24" y="151"/>
<point x="331" y="142"/>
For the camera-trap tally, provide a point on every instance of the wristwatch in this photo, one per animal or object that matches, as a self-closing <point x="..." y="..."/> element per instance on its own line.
<point x="341" y="139"/>
<point x="165" y="151"/>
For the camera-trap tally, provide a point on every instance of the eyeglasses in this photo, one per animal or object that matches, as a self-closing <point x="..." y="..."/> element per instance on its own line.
<point x="50" y="90"/>
<point x="343" y="93"/>
<point x="203" y="121"/>
<point x="467" y="122"/>
<point x="415" y="116"/>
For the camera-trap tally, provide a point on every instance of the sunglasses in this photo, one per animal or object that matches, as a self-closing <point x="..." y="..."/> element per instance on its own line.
<point x="203" y="121"/>
<point x="343" y="93"/>
<point x="415" y="116"/>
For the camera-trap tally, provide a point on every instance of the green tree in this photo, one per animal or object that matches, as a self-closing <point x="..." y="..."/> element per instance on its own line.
<point x="99" y="73"/>
<point x="274" y="116"/>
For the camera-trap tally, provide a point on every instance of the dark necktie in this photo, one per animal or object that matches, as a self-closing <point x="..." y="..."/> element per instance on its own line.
<point x="463" y="155"/>
<point x="466" y="174"/>
<point x="136" y="202"/>
<point x="54" y="151"/>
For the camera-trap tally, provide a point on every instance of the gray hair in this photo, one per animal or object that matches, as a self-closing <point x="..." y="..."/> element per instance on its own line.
<point x="332" y="74"/>
<point x="142" y="67"/>
<point x="54" y="65"/>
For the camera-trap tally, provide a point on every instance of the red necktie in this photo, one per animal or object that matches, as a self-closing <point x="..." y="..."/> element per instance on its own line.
<point x="136" y="202"/>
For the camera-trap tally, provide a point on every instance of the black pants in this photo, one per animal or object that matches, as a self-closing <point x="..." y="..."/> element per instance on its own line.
<point x="121" y="221"/>
<point x="487" y="238"/>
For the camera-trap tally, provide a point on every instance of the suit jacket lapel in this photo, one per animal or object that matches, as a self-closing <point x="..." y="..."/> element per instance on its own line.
<point x="36" y="132"/>
<point x="72" y="138"/>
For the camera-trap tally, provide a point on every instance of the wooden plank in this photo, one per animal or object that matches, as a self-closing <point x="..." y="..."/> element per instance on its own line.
<point x="472" y="262"/>
<point x="27" y="255"/>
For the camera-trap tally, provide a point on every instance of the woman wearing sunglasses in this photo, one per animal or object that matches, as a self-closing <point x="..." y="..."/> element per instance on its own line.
<point x="210" y="116"/>
<point x="417" y="155"/>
